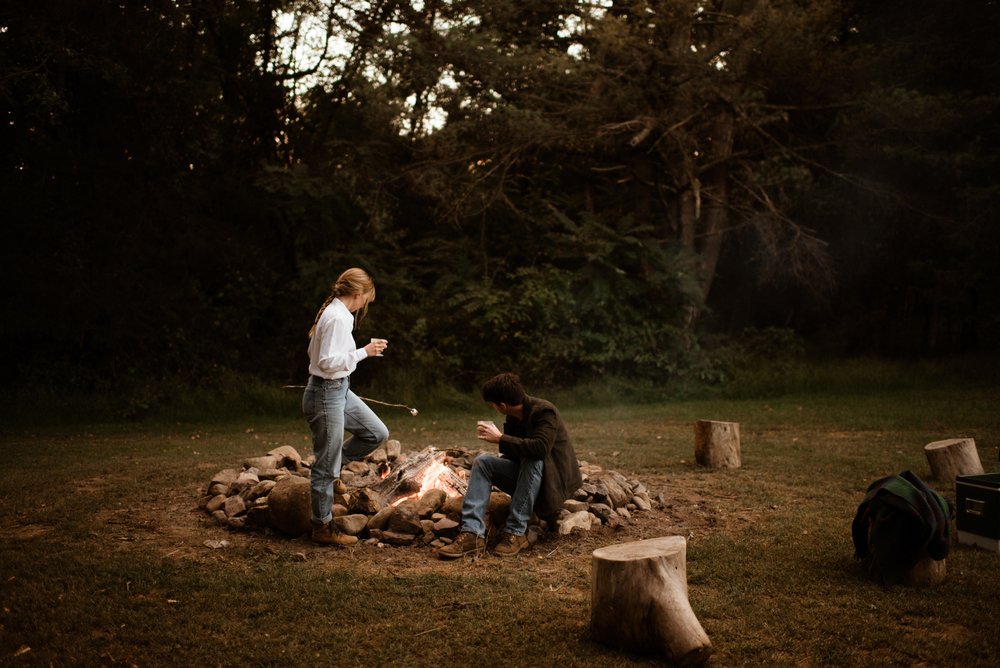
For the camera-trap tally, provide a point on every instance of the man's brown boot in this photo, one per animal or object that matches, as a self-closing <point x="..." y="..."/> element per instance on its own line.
<point x="327" y="534"/>
<point x="510" y="545"/>
<point x="466" y="543"/>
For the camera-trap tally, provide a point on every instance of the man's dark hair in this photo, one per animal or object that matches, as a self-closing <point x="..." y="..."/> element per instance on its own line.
<point x="504" y="389"/>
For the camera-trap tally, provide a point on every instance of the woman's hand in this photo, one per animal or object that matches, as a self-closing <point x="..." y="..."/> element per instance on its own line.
<point x="375" y="348"/>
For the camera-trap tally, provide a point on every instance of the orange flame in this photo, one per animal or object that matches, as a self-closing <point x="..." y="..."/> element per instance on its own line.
<point x="435" y="477"/>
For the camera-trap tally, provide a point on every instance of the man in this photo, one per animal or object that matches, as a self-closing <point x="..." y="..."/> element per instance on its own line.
<point x="537" y="466"/>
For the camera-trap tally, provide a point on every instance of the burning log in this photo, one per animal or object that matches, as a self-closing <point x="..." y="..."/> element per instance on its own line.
<point x="427" y="470"/>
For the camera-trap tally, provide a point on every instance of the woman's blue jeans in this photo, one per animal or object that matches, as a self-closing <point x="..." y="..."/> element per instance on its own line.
<point x="331" y="409"/>
<point x="520" y="478"/>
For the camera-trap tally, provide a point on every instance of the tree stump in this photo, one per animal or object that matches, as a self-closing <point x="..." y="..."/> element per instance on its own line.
<point x="717" y="444"/>
<point x="953" y="457"/>
<point x="926" y="573"/>
<point x="639" y="600"/>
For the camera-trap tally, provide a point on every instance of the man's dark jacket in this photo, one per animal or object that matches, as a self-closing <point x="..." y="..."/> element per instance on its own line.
<point x="541" y="434"/>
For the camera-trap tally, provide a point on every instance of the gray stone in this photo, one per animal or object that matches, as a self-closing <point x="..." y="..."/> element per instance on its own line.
<point x="609" y="492"/>
<point x="574" y="506"/>
<point x="217" y="488"/>
<point x="352" y="525"/>
<point x="619" y="490"/>
<point x="368" y="501"/>
<point x="216" y="503"/>
<point x="580" y="520"/>
<point x="393" y="538"/>
<point x="224" y="477"/>
<point x="404" y="520"/>
<point x="431" y="502"/>
<point x="244" y="480"/>
<point x="603" y="511"/>
<point x="234" y="506"/>
<point x="446" y="526"/>
<point x="453" y="506"/>
<point x="259" y="463"/>
<point x="380" y="519"/>
<point x="377" y="456"/>
<point x="287" y="456"/>
<point x="258" y="490"/>
<point x="393" y="449"/>
<point x="359" y="468"/>
<point x="641" y="501"/>
<point x="620" y="479"/>
<point x="428" y="527"/>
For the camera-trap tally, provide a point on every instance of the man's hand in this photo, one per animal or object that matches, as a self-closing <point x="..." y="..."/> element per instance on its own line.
<point x="487" y="431"/>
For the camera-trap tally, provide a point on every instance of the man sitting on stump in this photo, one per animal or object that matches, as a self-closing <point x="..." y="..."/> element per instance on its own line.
<point x="537" y="466"/>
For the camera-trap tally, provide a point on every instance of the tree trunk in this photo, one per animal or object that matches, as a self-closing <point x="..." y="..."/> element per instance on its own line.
<point x="953" y="457"/>
<point x="639" y="600"/>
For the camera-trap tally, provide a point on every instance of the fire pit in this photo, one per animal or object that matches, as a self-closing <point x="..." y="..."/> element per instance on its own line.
<point x="399" y="498"/>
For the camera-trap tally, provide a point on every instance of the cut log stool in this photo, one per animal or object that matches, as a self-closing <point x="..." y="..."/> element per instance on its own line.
<point x="639" y="600"/>
<point x="717" y="444"/>
<point x="953" y="457"/>
<point x="926" y="572"/>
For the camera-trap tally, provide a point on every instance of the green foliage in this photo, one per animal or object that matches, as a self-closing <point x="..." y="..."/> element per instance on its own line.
<point x="573" y="190"/>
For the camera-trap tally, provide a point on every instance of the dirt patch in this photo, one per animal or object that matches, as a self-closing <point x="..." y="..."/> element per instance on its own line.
<point x="23" y="532"/>
<point x="171" y="524"/>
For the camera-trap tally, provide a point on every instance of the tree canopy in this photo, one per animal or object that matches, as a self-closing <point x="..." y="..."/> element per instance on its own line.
<point x="568" y="189"/>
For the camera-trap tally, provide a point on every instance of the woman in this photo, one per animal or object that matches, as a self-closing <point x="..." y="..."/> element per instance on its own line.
<point x="328" y="403"/>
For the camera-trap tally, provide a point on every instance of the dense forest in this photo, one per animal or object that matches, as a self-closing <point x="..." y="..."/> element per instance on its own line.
<point x="568" y="189"/>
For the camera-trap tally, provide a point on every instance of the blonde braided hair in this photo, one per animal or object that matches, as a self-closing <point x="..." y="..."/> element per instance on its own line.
<point x="352" y="282"/>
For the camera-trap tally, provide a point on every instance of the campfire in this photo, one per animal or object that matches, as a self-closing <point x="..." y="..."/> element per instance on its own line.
<point x="398" y="498"/>
<point x="418" y="475"/>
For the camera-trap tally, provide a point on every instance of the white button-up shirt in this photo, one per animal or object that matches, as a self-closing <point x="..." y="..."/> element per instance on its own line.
<point x="332" y="350"/>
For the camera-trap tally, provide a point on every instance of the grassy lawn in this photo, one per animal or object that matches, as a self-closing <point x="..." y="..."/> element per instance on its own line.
<point x="103" y="555"/>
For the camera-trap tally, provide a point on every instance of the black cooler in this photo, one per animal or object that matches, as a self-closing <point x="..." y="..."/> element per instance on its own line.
<point x="977" y="515"/>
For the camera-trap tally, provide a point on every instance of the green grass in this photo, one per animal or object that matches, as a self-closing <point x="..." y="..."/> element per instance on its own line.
<point x="102" y="560"/>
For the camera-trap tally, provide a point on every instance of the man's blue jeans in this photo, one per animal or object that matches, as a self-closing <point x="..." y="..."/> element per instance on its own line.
<point x="521" y="479"/>
<point x="331" y="408"/>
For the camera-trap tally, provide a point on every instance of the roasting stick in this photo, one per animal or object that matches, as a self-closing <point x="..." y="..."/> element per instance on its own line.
<point x="413" y="411"/>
